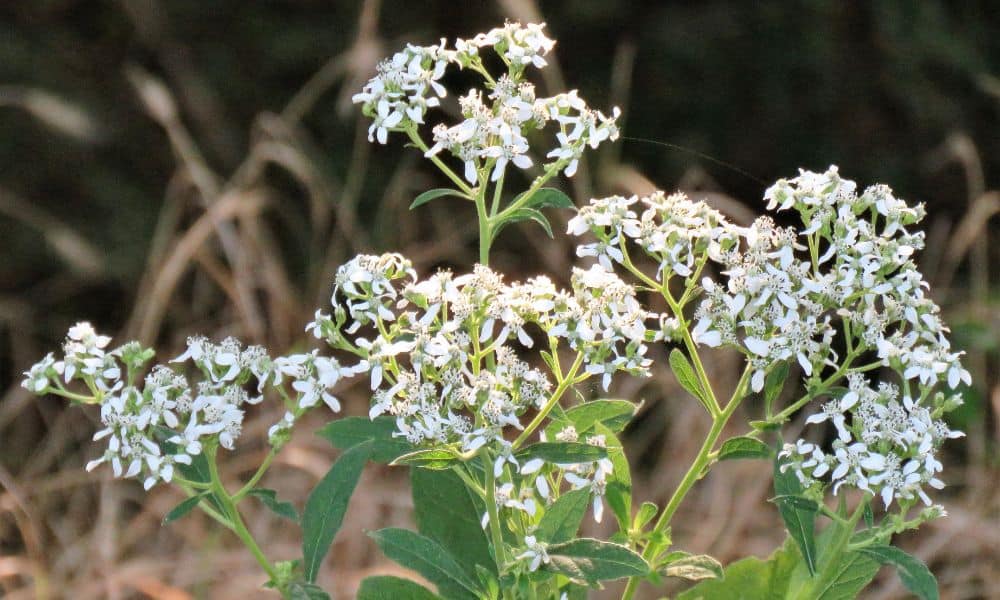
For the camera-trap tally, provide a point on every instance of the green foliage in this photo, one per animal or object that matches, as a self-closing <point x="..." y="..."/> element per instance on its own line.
<point x="912" y="571"/>
<point x="800" y="523"/>
<point x="433" y="194"/>
<point x="588" y="561"/>
<point x="350" y="431"/>
<point x="562" y="452"/>
<point x="183" y="508"/>
<point x="695" y="567"/>
<point x="744" y="447"/>
<point x="448" y="512"/>
<point x="562" y="519"/>
<point x="300" y="590"/>
<point x="428" y="458"/>
<point x="325" y="508"/>
<point x="685" y="375"/>
<point x="750" y="579"/>
<point x="429" y="558"/>
<point x="387" y="587"/>
<point x="270" y="500"/>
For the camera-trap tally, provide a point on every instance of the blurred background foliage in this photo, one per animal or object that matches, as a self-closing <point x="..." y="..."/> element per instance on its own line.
<point x="123" y="124"/>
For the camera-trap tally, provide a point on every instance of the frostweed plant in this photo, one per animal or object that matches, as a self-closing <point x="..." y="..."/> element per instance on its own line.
<point x="477" y="382"/>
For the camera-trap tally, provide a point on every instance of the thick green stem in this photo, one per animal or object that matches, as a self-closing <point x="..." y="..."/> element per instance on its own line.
<point x="694" y="473"/>
<point x="256" y="476"/>
<point x="238" y="526"/>
<point x="564" y="383"/>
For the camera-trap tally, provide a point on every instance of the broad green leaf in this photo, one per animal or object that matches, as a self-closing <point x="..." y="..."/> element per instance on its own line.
<point x="449" y="513"/>
<point x="563" y="453"/>
<point x="430" y="458"/>
<point x="645" y="514"/>
<point x="183" y="508"/>
<point x="693" y="568"/>
<point x="427" y="557"/>
<point x="326" y="505"/>
<point x="350" y="431"/>
<point x="618" y="492"/>
<point x="588" y="560"/>
<point x="798" y="502"/>
<point x="545" y="197"/>
<point x="523" y="214"/>
<point x="435" y="193"/>
<point x="840" y="576"/>
<point x="801" y="524"/>
<point x="869" y="515"/>
<point x="562" y="520"/>
<point x="387" y="587"/>
<point x="684" y="373"/>
<point x="300" y="590"/>
<point x="912" y="571"/>
<point x="749" y="579"/>
<point x="743" y="447"/>
<point x="614" y="414"/>
<point x="270" y="500"/>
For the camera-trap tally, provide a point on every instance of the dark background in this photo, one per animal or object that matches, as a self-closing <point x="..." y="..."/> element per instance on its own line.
<point x="122" y="122"/>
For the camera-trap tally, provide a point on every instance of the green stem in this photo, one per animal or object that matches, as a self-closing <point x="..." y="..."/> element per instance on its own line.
<point x="256" y="476"/>
<point x="564" y="383"/>
<point x="523" y="198"/>
<point x="237" y="525"/>
<point x="485" y="228"/>
<point x="458" y="181"/>
<point x="839" y="544"/>
<point x="694" y="473"/>
<point x="499" y="549"/>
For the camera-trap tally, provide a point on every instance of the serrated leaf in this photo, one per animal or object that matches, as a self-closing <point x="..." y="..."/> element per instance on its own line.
<point x="546" y="197"/>
<point x="614" y="414"/>
<point x="387" y="587"/>
<point x="912" y="571"/>
<point x="300" y="590"/>
<point x="694" y="568"/>
<point x="427" y="557"/>
<point x="562" y="519"/>
<point x="326" y="505"/>
<point x="435" y="193"/>
<point x="562" y="453"/>
<point x="350" y="431"/>
<point x="801" y="524"/>
<point x="749" y="579"/>
<point x="588" y="560"/>
<point x="743" y="447"/>
<point x="431" y="458"/>
<point x="523" y="214"/>
<point x="183" y="508"/>
<point x="684" y="373"/>
<point x="457" y="528"/>
<point x="270" y="500"/>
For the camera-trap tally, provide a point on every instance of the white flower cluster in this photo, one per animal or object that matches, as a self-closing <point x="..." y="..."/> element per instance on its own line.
<point x="495" y="121"/>
<point x="884" y="446"/>
<point x="443" y="362"/>
<point x="164" y="422"/>
<point x="782" y="293"/>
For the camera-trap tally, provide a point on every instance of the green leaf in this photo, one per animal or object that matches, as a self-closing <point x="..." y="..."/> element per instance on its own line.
<point x="685" y="376"/>
<point x="749" y="579"/>
<point x="523" y="214"/>
<point x="645" y="514"/>
<point x="693" y="568"/>
<point x="427" y="557"/>
<point x="326" y="505"/>
<point x="546" y="197"/>
<point x="350" y="431"/>
<point x="842" y="574"/>
<point x="562" y="520"/>
<point x="614" y="414"/>
<point x="270" y="500"/>
<point x="743" y="447"/>
<point x="435" y="193"/>
<point x="387" y="587"/>
<point x="564" y="453"/>
<point x="912" y="571"/>
<point x="797" y="502"/>
<point x="801" y="524"/>
<point x="457" y="528"/>
<point x="183" y="508"/>
<point x="300" y="590"/>
<point x="588" y="561"/>
<point x="773" y="384"/>
<point x="430" y="458"/>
